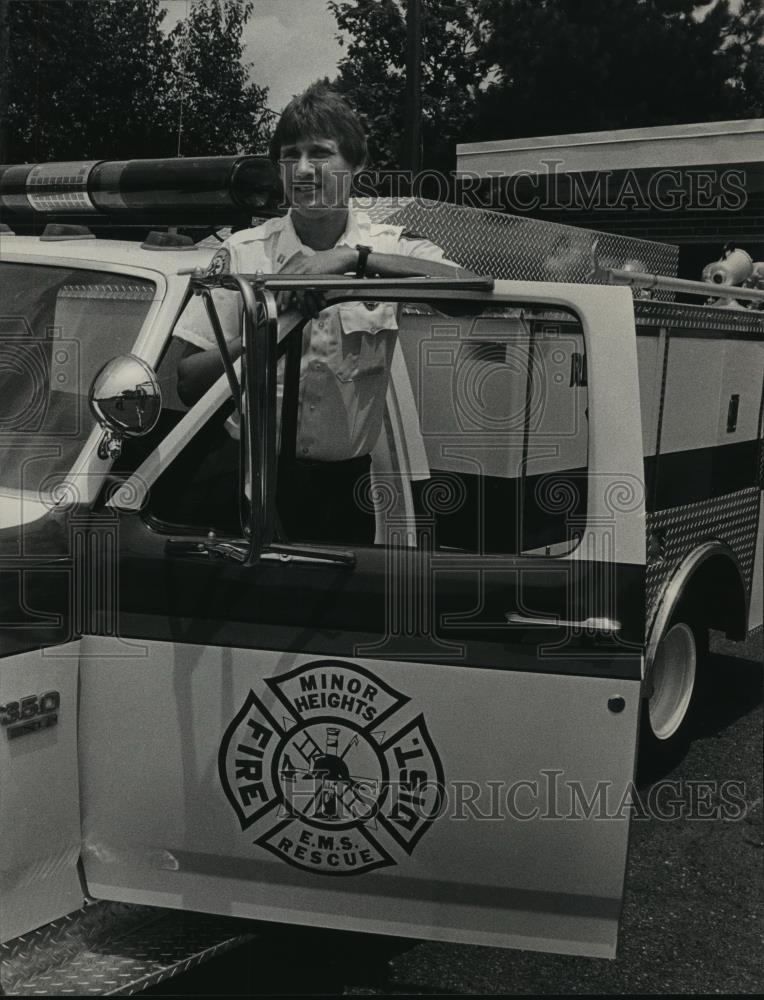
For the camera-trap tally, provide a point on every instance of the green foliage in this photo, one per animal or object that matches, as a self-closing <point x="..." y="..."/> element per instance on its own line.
<point x="502" y="68"/>
<point x="372" y="74"/>
<point x="568" y="66"/>
<point x="82" y="78"/>
<point x="746" y="53"/>
<point x="221" y="111"/>
<point x="103" y="80"/>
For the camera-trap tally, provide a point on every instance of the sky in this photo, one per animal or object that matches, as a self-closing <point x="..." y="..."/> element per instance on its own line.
<point x="291" y="43"/>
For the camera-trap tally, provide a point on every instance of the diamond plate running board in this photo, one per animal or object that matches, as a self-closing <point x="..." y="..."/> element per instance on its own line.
<point x="114" y="949"/>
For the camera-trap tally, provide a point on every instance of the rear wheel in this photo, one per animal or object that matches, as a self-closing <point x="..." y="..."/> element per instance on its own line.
<point x="675" y="684"/>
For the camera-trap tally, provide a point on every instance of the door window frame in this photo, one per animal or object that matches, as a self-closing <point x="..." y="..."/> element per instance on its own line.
<point x="607" y="323"/>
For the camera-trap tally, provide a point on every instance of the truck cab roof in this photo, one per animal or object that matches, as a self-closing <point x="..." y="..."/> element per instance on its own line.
<point x="122" y="253"/>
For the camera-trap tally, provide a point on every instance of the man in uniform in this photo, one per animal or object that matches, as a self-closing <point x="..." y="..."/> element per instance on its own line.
<point x="347" y="348"/>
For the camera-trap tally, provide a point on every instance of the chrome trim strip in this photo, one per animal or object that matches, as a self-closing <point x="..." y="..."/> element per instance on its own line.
<point x="592" y="624"/>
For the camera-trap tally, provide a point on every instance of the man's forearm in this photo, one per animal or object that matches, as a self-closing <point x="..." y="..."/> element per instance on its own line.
<point x="343" y="260"/>
<point x="197" y="372"/>
<point x="387" y="265"/>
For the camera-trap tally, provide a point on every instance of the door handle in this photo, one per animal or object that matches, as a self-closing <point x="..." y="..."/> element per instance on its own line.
<point x="591" y="624"/>
<point x="236" y="550"/>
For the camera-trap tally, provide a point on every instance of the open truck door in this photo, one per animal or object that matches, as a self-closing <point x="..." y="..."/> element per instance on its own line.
<point x="433" y="735"/>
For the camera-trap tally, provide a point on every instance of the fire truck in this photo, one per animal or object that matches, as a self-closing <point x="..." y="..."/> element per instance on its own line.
<point x="205" y="721"/>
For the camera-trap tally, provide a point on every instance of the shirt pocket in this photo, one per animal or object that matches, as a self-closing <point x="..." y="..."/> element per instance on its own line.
<point x="368" y="332"/>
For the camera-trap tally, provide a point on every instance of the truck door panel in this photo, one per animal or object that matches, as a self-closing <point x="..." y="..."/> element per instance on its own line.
<point x="366" y="746"/>
<point x="500" y="865"/>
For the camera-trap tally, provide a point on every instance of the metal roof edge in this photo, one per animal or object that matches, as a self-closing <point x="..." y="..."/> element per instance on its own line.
<point x="664" y="133"/>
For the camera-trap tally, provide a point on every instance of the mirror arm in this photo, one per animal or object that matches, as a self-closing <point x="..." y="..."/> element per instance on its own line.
<point x="110" y="445"/>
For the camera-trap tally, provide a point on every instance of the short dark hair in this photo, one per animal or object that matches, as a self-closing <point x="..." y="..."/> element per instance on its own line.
<point x="321" y="112"/>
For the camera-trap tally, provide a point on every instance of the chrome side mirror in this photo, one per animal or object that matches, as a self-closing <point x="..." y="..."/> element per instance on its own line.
<point x="126" y="400"/>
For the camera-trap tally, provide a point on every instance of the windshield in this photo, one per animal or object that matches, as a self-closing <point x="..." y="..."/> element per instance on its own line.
<point x="58" y="327"/>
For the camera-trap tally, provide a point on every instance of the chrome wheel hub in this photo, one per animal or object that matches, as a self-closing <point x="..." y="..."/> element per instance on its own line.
<point x="674" y="670"/>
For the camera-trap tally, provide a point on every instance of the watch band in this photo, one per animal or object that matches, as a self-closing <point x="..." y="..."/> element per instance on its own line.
<point x="363" y="256"/>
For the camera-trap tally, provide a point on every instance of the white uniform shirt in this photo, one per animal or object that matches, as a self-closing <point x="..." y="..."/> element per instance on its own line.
<point x="347" y="349"/>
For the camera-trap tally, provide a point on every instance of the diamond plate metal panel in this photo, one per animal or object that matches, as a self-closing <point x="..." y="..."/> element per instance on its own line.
<point x="107" y="949"/>
<point x="122" y="293"/>
<point x="513" y="247"/>
<point x="697" y="317"/>
<point x="732" y="519"/>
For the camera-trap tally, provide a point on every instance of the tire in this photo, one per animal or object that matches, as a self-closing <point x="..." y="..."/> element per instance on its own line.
<point x="674" y="692"/>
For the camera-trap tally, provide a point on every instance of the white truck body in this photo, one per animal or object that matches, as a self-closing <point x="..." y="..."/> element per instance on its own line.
<point x="490" y="736"/>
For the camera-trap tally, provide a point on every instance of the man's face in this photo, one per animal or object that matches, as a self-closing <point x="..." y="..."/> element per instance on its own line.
<point x="315" y="174"/>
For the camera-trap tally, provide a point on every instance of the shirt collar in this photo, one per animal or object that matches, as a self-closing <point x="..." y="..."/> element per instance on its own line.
<point x="289" y="243"/>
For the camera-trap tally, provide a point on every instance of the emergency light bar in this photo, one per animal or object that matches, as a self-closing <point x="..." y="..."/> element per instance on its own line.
<point x="187" y="190"/>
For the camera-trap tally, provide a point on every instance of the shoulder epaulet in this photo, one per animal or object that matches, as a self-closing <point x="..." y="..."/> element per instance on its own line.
<point x="384" y="229"/>
<point x="261" y="232"/>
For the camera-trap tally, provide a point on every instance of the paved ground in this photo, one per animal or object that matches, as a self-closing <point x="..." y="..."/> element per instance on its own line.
<point x="693" y="919"/>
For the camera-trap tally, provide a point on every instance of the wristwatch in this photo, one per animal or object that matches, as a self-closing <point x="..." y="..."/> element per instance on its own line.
<point x="363" y="256"/>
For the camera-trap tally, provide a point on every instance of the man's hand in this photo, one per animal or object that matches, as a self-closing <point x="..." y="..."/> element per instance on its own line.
<point x="338" y="260"/>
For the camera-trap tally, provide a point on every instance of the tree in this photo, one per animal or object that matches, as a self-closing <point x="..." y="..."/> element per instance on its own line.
<point x="495" y="69"/>
<point x="746" y="51"/>
<point x="86" y="80"/>
<point x="218" y="109"/>
<point x="372" y="74"/>
<point x="103" y="80"/>
<point x="572" y="66"/>
<point x="4" y="80"/>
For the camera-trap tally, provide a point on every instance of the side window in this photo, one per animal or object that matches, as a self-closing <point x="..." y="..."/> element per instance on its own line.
<point x="501" y="398"/>
<point x="58" y="326"/>
<point x="199" y="490"/>
<point x="474" y="435"/>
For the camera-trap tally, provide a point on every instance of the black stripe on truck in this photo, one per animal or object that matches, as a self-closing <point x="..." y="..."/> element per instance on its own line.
<point x="450" y="608"/>
<point x="445" y="607"/>
<point x="498" y="514"/>
<point x="686" y="477"/>
<point x="495" y="514"/>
